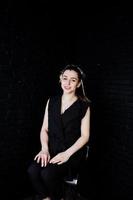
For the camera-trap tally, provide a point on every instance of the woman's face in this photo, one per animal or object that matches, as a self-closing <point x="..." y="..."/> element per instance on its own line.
<point x="69" y="81"/>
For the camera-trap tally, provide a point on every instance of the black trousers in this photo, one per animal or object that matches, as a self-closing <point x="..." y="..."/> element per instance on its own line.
<point x="49" y="180"/>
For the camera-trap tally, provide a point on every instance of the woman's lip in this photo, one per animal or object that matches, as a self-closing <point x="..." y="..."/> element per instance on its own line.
<point x="67" y="88"/>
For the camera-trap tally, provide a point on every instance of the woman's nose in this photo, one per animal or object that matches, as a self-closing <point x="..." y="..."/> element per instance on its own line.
<point x="69" y="82"/>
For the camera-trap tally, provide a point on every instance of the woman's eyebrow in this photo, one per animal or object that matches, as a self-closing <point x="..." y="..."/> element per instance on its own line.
<point x="74" y="78"/>
<point x="70" y="77"/>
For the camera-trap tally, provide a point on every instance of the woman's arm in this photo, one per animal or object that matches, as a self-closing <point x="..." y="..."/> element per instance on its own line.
<point x="43" y="156"/>
<point x="44" y="130"/>
<point x="85" y="133"/>
<point x="82" y="140"/>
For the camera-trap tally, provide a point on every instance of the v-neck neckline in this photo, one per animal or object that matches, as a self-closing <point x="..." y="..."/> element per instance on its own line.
<point x="68" y="107"/>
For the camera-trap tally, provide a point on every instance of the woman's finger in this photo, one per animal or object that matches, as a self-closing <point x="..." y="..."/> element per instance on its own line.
<point x="35" y="157"/>
<point x="42" y="161"/>
<point x="38" y="159"/>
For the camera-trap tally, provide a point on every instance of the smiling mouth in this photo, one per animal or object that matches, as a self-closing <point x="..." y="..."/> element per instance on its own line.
<point x="67" y="88"/>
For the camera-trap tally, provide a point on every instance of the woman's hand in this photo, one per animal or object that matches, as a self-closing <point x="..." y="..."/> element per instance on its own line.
<point x="43" y="157"/>
<point x="60" y="158"/>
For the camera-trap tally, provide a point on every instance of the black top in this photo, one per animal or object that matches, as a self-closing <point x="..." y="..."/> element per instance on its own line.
<point x="64" y="129"/>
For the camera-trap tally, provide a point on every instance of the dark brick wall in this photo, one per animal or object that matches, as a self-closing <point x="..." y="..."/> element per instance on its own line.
<point x="115" y="125"/>
<point x="34" y="46"/>
<point x="108" y="52"/>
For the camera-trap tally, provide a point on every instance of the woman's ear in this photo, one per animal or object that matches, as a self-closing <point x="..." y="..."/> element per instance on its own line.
<point x="79" y="84"/>
<point x="60" y="78"/>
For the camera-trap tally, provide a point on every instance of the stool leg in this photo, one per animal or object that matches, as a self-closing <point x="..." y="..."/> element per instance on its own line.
<point x="70" y="192"/>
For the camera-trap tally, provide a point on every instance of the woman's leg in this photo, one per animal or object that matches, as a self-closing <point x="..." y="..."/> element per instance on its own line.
<point x="34" y="172"/>
<point x="53" y="177"/>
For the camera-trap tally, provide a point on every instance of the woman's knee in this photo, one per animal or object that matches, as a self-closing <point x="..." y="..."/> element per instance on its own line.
<point x="46" y="176"/>
<point x="33" y="170"/>
<point x="50" y="175"/>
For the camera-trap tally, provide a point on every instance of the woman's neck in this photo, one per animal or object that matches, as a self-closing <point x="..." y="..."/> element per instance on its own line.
<point x="67" y="101"/>
<point x="69" y="97"/>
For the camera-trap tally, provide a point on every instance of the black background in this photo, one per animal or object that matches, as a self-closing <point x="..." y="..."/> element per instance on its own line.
<point x="36" y="41"/>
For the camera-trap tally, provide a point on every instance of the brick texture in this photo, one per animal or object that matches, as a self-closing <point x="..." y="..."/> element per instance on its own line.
<point x="33" y="49"/>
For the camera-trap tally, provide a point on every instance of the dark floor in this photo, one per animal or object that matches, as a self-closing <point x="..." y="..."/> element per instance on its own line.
<point x="28" y="198"/>
<point x="81" y="198"/>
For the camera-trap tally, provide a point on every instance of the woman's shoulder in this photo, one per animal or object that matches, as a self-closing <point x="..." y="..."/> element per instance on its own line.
<point x="84" y="105"/>
<point x="53" y="98"/>
<point x="85" y="102"/>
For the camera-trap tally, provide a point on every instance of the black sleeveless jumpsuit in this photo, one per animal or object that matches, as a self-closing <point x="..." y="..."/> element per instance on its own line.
<point x="63" y="131"/>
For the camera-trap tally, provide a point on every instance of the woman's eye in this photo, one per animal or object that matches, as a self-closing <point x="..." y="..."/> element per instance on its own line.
<point x="64" y="78"/>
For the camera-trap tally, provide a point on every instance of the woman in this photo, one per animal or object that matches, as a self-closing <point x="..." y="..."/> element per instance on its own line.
<point x="64" y="133"/>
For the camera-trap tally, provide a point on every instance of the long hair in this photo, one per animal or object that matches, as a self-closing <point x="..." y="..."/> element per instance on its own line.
<point x="80" y="92"/>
